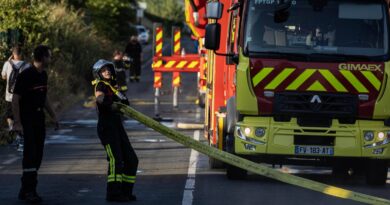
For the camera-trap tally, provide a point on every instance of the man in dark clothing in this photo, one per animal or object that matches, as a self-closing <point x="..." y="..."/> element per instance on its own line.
<point x="29" y="100"/>
<point x="120" y="70"/>
<point x="123" y="161"/>
<point x="134" y="51"/>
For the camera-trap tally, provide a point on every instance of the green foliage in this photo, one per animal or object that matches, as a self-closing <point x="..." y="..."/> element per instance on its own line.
<point x="75" y="45"/>
<point x="168" y="10"/>
<point x="111" y="17"/>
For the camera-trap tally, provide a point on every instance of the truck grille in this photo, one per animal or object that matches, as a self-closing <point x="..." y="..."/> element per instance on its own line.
<point x="313" y="140"/>
<point x="316" y="105"/>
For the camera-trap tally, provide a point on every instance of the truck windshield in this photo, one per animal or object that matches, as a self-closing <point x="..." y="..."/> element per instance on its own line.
<point x="329" y="27"/>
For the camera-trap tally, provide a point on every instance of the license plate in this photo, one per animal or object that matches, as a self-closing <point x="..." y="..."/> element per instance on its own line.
<point x="314" y="150"/>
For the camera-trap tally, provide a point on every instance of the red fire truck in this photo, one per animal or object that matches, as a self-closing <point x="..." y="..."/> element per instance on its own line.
<point x="300" y="82"/>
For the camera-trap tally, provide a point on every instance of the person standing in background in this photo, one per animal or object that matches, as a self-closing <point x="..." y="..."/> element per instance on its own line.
<point x="134" y="51"/>
<point x="28" y="103"/>
<point x="11" y="69"/>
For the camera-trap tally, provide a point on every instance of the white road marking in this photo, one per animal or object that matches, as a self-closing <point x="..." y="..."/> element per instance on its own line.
<point x="84" y="190"/>
<point x="190" y="183"/>
<point x="63" y="131"/>
<point x="10" y="161"/>
<point x="66" y="139"/>
<point x="150" y="140"/>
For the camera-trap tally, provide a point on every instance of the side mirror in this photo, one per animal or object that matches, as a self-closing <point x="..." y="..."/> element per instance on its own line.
<point x="214" y="10"/>
<point x="212" y="37"/>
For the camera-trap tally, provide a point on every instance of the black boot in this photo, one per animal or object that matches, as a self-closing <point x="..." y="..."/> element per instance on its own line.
<point x="127" y="190"/>
<point x="31" y="196"/>
<point x="114" y="192"/>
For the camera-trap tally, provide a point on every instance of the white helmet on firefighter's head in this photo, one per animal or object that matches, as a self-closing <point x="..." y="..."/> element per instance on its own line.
<point x="99" y="65"/>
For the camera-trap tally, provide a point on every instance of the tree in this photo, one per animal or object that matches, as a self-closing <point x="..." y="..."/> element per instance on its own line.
<point x="167" y="9"/>
<point x="111" y="17"/>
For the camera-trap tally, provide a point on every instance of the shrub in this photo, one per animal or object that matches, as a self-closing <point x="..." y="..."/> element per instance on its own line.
<point x="75" y="45"/>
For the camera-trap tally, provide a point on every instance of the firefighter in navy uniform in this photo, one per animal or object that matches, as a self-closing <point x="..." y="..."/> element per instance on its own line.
<point x="123" y="161"/>
<point x="28" y="105"/>
<point x="120" y="70"/>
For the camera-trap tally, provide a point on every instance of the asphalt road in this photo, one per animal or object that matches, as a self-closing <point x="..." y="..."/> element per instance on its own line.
<point x="74" y="165"/>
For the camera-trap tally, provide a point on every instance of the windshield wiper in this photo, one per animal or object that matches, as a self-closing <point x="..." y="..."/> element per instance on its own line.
<point x="322" y="57"/>
<point x="274" y="54"/>
<point x="342" y="57"/>
<point x="326" y="57"/>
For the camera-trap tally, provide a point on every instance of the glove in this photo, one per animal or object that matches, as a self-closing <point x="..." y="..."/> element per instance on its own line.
<point x="17" y="128"/>
<point x="126" y="102"/>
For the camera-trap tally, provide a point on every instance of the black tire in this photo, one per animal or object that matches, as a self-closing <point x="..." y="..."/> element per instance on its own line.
<point x="231" y="115"/>
<point x="340" y="171"/>
<point x="215" y="164"/>
<point x="201" y="100"/>
<point x="235" y="173"/>
<point x="376" y="172"/>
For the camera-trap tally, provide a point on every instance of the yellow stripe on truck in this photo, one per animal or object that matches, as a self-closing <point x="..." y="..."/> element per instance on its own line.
<point x="373" y="80"/>
<point x="354" y="81"/>
<point x="333" y="80"/>
<point x="316" y="86"/>
<point x="279" y="79"/>
<point x="301" y="79"/>
<point x="261" y="75"/>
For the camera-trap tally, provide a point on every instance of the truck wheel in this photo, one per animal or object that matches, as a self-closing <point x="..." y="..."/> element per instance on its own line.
<point x="221" y="133"/>
<point x="201" y="100"/>
<point x="340" y="170"/>
<point x="235" y="173"/>
<point x="376" y="172"/>
<point x="214" y="163"/>
<point x="231" y="115"/>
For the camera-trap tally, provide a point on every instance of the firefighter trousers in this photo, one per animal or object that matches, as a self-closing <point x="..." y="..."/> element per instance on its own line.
<point x="135" y="71"/>
<point x="34" y="139"/>
<point x="123" y="161"/>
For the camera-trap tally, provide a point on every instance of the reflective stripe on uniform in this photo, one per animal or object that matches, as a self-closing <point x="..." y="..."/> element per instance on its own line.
<point x="115" y="178"/>
<point x="128" y="179"/>
<point x="30" y="170"/>
<point x="123" y="88"/>
<point x="112" y="162"/>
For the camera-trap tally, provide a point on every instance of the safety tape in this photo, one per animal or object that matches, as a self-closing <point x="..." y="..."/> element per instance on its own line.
<point x="117" y="92"/>
<point x="249" y="165"/>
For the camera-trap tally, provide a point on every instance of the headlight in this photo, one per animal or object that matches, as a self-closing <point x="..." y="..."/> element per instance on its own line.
<point x="381" y="136"/>
<point x="369" y="135"/>
<point x="260" y="132"/>
<point x="247" y="131"/>
<point x="243" y="136"/>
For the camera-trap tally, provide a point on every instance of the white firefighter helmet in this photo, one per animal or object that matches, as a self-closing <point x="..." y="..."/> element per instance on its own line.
<point x="101" y="64"/>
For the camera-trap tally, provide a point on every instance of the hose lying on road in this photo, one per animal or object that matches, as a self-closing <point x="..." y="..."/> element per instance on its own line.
<point x="249" y="165"/>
